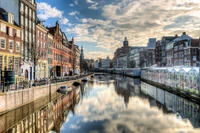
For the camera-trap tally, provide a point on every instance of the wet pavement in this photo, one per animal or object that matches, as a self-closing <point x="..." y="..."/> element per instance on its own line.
<point x="111" y="104"/>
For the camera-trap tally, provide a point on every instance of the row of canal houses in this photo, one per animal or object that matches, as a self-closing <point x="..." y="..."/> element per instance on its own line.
<point x="177" y="63"/>
<point x="23" y="37"/>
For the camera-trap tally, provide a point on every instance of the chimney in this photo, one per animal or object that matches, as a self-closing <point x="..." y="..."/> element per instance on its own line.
<point x="184" y="33"/>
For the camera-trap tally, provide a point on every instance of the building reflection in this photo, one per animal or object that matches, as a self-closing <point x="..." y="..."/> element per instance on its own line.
<point x="126" y="87"/>
<point x="41" y="115"/>
<point x="171" y="103"/>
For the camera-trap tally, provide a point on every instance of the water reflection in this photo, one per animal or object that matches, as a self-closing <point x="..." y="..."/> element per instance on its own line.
<point x="116" y="104"/>
<point x="121" y="106"/>
<point x="40" y="115"/>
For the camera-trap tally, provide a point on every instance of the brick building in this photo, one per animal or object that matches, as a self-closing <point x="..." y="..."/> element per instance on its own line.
<point x="10" y="42"/>
<point x="50" y="54"/>
<point x="160" y="50"/>
<point x="186" y="52"/>
<point x="41" y="51"/>
<point x="121" y="51"/>
<point x="62" y="51"/>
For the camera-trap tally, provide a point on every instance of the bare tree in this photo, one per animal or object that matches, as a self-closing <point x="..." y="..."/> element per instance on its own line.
<point x="146" y="58"/>
<point x="34" y="54"/>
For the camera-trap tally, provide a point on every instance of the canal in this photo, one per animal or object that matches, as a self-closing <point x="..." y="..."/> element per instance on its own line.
<point x="110" y="104"/>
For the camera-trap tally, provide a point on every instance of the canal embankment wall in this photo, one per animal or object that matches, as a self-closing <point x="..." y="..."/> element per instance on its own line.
<point x="14" y="99"/>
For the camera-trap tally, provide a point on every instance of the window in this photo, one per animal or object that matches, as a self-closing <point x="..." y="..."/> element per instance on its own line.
<point x="18" y="46"/>
<point x="38" y="33"/>
<point x="10" y="18"/>
<point x="16" y="65"/>
<point x="3" y="43"/>
<point x="22" y="20"/>
<point x="33" y="15"/>
<point x="175" y="48"/>
<point x="18" y="33"/>
<point x="11" y="32"/>
<point x="44" y="36"/>
<point x="186" y="44"/>
<point x="26" y="22"/>
<point x="30" y="24"/>
<point x="33" y="26"/>
<point x="181" y="47"/>
<point x="3" y="27"/>
<point x="26" y="9"/>
<point x="38" y="44"/>
<point x="194" y="58"/>
<point x="44" y="45"/>
<point x="22" y="7"/>
<point x="10" y="44"/>
<point x="30" y="12"/>
<point x="41" y="34"/>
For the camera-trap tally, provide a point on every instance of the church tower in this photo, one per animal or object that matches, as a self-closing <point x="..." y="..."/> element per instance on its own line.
<point x="125" y="44"/>
<point x="81" y="55"/>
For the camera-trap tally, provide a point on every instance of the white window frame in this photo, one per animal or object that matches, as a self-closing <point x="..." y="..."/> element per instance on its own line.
<point x="3" y="27"/>
<point x="38" y="33"/>
<point x="10" y="31"/>
<point x="30" y="12"/>
<point x="4" y="44"/>
<point x="17" y="46"/>
<point x="22" y="7"/>
<point x="26" y="9"/>
<point x="12" y="44"/>
<point x="18" y="33"/>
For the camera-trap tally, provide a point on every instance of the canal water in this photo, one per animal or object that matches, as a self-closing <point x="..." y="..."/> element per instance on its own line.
<point x="107" y="104"/>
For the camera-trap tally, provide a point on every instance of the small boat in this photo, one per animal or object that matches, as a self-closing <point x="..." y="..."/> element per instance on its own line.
<point x="85" y="79"/>
<point x="64" y="89"/>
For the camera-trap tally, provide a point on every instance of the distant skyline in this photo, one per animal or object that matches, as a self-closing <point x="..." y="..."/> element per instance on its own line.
<point x="101" y="25"/>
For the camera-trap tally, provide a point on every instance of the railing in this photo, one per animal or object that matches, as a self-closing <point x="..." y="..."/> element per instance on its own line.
<point x="21" y="83"/>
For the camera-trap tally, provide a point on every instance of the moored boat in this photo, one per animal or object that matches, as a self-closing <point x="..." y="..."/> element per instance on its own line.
<point x="85" y="79"/>
<point x="64" y="89"/>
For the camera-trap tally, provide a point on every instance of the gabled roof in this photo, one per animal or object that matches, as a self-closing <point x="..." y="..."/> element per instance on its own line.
<point x="52" y="30"/>
<point x="2" y="17"/>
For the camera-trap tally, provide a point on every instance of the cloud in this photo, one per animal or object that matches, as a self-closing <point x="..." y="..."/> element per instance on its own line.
<point x="73" y="13"/>
<point x="106" y="107"/>
<point x="138" y="21"/>
<point x="93" y="6"/>
<point x="76" y="2"/>
<point x="64" y="20"/>
<point x="45" y="11"/>
<point x="71" y="4"/>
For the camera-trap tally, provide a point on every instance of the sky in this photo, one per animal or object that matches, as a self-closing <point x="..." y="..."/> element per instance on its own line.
<point x="101" y="25"/>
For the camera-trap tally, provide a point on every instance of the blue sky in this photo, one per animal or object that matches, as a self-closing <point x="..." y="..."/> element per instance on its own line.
<point x="101" y="25"/>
